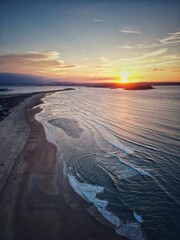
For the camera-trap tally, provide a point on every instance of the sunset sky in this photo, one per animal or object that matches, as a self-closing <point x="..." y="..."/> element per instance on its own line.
<point x="91" y="41"/>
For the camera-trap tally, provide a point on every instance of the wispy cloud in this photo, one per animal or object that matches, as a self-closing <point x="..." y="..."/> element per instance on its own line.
<point x="171" y="38"/>
<point x="157" y="59"/>
<point x="103" y="59"/>
<point x="129" y="30"/>
<point x="146" y="46"/>
<point x="158" y="69"/>
<point x="66" y="67"/>
<point x="98" y="20"/>
<point x="127" y="47"/>
<point x="123" y="47"/>
<point x="86" y="59"/>
<point x="45" y="54"/>
<point x="155" y="53"/>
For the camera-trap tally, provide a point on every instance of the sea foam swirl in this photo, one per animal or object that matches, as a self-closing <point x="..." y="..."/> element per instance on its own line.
<point x="89" y="192"/>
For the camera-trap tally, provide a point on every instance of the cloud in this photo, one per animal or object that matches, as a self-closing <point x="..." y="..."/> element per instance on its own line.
<point x="34" y="61"/>
<point x="157" y="59"/>
<point x="86" y="59"/>
<point x="98" y="66"/>
<point x="171" y="38"/>
<point x="67" y="67"/>
<point x="128" y="30"/>
<point x="127" y="47"/>
<point x="146" y="56"/>
<point x="46" y="54"/>
<point x="123" y="47"/>
<point x="175" y="69"/>
<point x="103" y="59"/>
<point x="146" y="46"/>
<point x="155" y="53"/>
<point x="98" y="20"/>
<point x="31" y="56"/>
<point x="158" y="69"/>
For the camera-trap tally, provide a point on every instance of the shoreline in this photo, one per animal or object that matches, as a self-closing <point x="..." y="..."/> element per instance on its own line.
<point x="8" y="101"/>
<point x="33" y="204"/>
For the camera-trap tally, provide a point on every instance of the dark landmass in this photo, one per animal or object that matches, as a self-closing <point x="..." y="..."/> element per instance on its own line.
<point x="125" y="86"/>
<point x="164" y="83"/>
<point x="140" y="85"/>
<point x="4" y="89"/>
<point x="134" y="86"/>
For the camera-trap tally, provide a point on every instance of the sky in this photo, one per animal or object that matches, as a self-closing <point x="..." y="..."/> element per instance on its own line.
<point x="91" y="41"/>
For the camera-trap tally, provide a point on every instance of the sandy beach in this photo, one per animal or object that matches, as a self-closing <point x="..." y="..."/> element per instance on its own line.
<point x="35" y="201"/>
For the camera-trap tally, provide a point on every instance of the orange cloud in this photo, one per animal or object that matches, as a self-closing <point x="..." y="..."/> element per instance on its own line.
<point x="158" y="69"/>
<point x="33" y="61"/>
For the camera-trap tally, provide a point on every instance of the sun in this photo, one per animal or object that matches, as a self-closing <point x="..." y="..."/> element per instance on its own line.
<point x="123" y="78"/>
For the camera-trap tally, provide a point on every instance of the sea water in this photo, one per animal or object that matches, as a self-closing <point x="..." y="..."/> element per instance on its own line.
<point x="121" y="153"/>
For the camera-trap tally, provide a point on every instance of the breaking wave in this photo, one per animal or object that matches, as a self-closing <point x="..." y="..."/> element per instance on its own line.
<point x="89" y="192"/>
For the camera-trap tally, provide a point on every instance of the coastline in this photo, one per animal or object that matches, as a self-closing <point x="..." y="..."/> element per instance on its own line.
<point x="33" y="203"/>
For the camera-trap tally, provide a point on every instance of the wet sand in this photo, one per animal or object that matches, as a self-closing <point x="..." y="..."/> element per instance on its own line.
<point x="36" y="201"/>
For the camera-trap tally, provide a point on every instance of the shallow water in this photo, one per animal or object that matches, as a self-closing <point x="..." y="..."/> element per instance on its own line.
<point x="121" y="153"/>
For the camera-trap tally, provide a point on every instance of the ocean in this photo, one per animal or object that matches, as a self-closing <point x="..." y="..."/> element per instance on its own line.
<point x="121" y="153"/>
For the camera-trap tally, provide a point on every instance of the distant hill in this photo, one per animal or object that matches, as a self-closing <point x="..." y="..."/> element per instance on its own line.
<point x="7" y="79"/>
<point x="137" y="86"/>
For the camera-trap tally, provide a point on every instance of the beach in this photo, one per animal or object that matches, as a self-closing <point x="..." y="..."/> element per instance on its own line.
<point x="36" y="202"/>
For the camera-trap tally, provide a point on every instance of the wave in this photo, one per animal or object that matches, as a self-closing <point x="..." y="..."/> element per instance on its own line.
<point x="110" y="138"/>
<point x="89" y="192"/>
<point x="138" y="217"/>
<point x="140" y="171"/>
<point x="121" y="169"/>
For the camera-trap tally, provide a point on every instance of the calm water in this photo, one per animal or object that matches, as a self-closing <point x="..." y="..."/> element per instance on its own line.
<point x="121" y="152"/>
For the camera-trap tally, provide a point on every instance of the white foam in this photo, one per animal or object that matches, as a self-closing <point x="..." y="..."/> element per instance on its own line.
<point x="89" y="193"/>
<point x="137" y="217"/>
<point x="131" y="230"/>
<point x="142" y="172"/>
<point x="110" y="138"/>
<point x="125" y="171"/>
<point x="121" y="168"/>
<point x="110" y="217"/>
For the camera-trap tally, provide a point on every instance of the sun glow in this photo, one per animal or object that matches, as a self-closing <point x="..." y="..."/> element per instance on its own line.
<point x="123" y="78"/>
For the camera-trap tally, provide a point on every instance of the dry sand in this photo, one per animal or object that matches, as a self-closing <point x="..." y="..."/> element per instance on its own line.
<point x="33" y="194"/>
